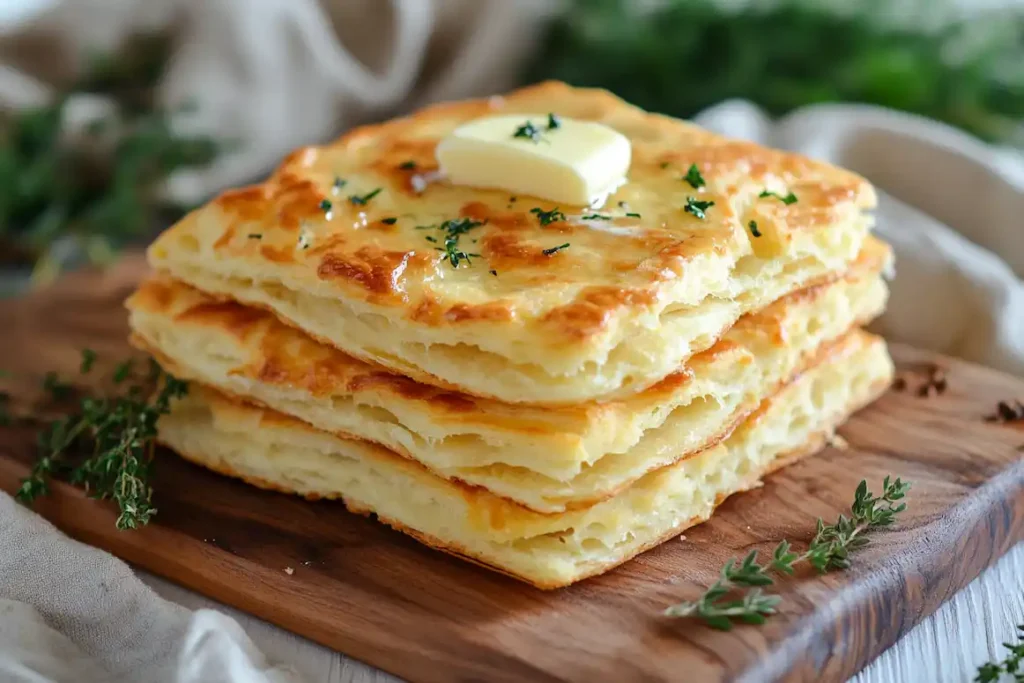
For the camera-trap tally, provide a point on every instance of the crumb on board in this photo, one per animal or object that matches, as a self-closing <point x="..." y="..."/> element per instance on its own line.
<point x="289" y="571"/>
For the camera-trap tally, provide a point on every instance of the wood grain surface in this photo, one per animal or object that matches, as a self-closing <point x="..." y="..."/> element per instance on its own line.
<point x="372" y="593"/>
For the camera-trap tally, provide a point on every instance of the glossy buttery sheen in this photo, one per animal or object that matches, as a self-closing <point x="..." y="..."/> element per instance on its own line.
<point x="617" y="310"/>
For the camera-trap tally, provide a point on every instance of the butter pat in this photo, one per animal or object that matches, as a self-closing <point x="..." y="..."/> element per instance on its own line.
<point x="573" y="162"/>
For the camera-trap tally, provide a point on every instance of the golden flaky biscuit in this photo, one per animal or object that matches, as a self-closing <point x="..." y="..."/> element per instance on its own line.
<point x="337" y="241"/>
<point x="545" y="458"/>
<point x="274" y="451"/>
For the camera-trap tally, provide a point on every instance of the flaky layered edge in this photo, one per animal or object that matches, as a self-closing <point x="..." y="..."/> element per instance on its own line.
<point x="273" y="451"/>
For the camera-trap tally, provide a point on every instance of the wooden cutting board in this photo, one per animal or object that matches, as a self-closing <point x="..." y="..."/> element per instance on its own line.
<point x="353" y="585"/>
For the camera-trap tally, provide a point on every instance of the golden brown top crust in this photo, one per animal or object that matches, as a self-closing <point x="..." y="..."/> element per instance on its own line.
<point x="317" y="219"/>
<point x="280" y="355"/>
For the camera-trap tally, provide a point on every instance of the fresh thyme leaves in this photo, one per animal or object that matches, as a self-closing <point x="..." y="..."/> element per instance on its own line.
<point x="528" y="131"/>
<point x="362" y="200"/>
<point x="829" y="549"/>
<point x="595" y="217"/>
<point x="546" y="218"/>
<point x="555" y="250"/>
<point x="255" y="235"/>
<point x="407" y="165"/>
<point x="696" y="207"/>
<point x="453" y="229"/>
<point x="632" y="214"/>
<point x="325" y="205"/>
<point x="1013" y="665"/>
<point x="694" y="177"/>
<point x="554" y="121"/>
<point x="118" y="434"/>
<point x="338" y="184"/>
<point x="753" y="229"/>
<point x="787" y="200"/>
<point x="389" y="221"/>
<point x="88" y="360"/>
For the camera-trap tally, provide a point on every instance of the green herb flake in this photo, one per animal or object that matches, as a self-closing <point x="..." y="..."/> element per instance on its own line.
<point x="632" y="214"/>
<point x="529" y="132"/>
<point x="665" y="164"/>
<point x="389" y="221"/>
<point x="493" y="272"/>
<point x="697" y="208"/>
<point x="694" y="177"/>
<point x="123" y="371"/>
<point x="88" y="360"/>
<point x="358" y="200"/>
<point x="338" y="184"/>
<point x="554" y="122"/>
<point x="753" y="229"/>
<point x="787" y="200"/>
<point x="546" y="218"/>
<point x="555" y="250"/>
<point x="407" y="165"/>
<point x="595" y="217"/>
<point x="255" y="235"/>
<point x="325" y="205"/>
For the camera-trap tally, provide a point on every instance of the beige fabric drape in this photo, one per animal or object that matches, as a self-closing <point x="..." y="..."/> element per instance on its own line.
<point x="271" y="75"/>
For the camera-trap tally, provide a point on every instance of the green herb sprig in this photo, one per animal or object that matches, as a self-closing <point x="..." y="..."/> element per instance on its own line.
<point x="362" y="200"/>
<point x="453" y="229"/>
<point x="829" y="549"/>
<point x="117" y="435"/>
<point x="1013" y="665"/>
<point x="554" y="250"/>
<point x="694" y="178"/>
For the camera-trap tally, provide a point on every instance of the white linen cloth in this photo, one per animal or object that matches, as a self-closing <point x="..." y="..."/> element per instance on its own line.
<point x="952" y="206"/>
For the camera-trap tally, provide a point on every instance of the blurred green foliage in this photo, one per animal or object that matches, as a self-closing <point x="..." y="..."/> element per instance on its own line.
<point x="685" y="55"/>
<point x="100" y="190"/>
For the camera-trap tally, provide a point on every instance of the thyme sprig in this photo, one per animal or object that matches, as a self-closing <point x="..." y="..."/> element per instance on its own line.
<point x="1013" y="665"/>
<point x="117" y="434"/>
<point x="453" y="229"/>
<point x="829" y="549"/>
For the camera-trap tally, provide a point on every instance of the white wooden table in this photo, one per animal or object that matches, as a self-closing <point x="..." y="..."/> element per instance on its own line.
<point x="945" y="648"/>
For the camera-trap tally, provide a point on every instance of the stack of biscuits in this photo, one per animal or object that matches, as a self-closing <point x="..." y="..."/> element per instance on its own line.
<point x="545" y="390"/>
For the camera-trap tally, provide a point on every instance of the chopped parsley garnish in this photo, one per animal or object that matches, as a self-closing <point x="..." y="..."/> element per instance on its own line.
<point x="453" y="229"/>
<point x="753" y="229"/>
<point x="548" y="217"/>
<point x="361" y="201"/>
<point x="555" y="250"/>
<point x="632" y="214"/>
<point x="528" y="131"/>
<point x="325" y="205"/>
<point x="493" y="272"/>
<point x="388" y="221"/>
<point x="554" y="122"/>
<point x="787" y="200"/>
<point x="595" y="217"/>
<point x="338" y="184"/>
<point x="255" y="235"/>
<point x="697" y="208"/>
<point x="407" y="165"/>
<point x="694" y="177"/>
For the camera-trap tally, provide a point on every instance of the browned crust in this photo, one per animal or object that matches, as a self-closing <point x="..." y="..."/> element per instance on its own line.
<point x="393" y="268"/>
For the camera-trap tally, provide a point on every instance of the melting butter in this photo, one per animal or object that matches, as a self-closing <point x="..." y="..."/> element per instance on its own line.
<point x="562" y="160"/>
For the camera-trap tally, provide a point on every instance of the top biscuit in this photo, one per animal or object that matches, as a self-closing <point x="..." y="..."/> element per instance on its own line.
<point x="346" y="241"/>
